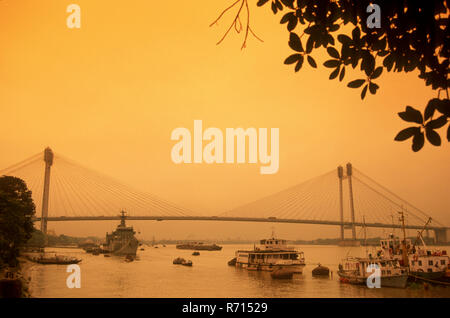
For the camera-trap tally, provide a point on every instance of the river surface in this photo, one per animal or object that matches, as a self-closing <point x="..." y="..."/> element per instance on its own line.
<point x="153" y="275"/>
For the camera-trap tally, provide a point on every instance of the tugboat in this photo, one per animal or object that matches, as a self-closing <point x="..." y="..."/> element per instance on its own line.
<point x="199" y="246"/>
<point x="122" y="240"/>
<point x="273" y="253"/>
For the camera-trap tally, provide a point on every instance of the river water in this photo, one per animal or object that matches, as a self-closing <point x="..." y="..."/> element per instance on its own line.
<point x="152" y="274"/>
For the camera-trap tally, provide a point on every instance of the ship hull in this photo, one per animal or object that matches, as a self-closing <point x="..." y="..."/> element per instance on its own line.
<point x="128" y="248"/>
<point x="297" y="269"/>
<point x="397" y="281"/>
<point x="427" y="275"/>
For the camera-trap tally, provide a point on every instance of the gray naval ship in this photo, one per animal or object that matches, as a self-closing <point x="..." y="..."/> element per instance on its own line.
<point x="122" y="240"/>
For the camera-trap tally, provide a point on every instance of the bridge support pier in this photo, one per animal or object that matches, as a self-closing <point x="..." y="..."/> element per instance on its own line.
<point x="48" y="158"/>
<point x="440" y="236"/>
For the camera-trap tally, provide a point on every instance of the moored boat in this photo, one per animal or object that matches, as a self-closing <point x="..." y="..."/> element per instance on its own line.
<point x="354" y="270"/>
<point x="186" y="263"/>
<point x="199" y="246"/>
<point x="272" y="253"/>
<point x="422" y="261"/>
<point x="55" y="259"/>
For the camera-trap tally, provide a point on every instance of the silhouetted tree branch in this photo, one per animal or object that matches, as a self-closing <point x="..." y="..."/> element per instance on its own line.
<point x="237" y="22"/>
<point x="413" y="35"/>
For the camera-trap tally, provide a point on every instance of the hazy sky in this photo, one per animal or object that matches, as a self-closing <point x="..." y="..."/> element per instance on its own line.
<point x="109" y="94"/>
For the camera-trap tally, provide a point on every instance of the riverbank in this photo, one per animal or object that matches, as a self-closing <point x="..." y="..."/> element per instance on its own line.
<point x="24" y="274"/>
<point x="15" y="280"/>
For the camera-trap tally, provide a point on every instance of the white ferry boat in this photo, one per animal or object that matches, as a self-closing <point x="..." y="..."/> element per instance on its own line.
<point x="353" y="270"/>
<point x="272" y="253"/>
<point x="422" y="261"/>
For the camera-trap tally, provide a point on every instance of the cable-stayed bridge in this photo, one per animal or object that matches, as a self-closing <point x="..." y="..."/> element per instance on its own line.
<point x="64" y="190"/>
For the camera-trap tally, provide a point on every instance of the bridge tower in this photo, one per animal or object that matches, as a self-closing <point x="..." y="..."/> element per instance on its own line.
<point x="440" y="236"/>
<point x="350" y="190"/>
<point x="48" y="159"/>
<point x="340" y="171"/>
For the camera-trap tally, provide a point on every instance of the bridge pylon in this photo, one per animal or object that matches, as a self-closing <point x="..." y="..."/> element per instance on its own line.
<point x="48" y="158"/>
<point x="352" y="226"/>
<point x="350" y="190"/>
<point x="340" y="172"/>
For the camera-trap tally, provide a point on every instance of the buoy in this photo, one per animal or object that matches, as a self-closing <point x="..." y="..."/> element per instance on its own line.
<point x="321" y="271"/>
<point x="232" y="262"/>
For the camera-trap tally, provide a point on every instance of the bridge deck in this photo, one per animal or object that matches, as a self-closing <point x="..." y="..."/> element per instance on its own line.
<point x="234" y="219"/>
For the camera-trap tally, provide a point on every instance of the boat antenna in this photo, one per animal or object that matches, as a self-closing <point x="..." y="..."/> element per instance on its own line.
<point x="404" y="251"/>
<point x="419" y="233"/>
<point x="393" y="223"/>
<point x="365" y="234"/>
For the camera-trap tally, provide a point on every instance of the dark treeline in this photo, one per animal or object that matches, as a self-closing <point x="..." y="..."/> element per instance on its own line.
<point x="38" y="240"/>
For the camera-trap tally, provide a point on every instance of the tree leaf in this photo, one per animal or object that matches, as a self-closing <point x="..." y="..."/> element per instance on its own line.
<point x="364" y="91"/>
<point x="299" y="64"/>
<point x="335" y="73"/>
<point x="286" y="17"/>
<point x="341" y="76"/>
<point x="333" y="52"/>
<point x="356" y="34"/>
<point x="344" y="39"/>
<point x="295" y="43"/>
<point x="429" y="110"/>
<point x="418" y="142"/>
<point x="388" y="61"/>
<point x="437" y="123"/>
<point x="292" y="23"/>
<point x="261" y="2"/>
<point x="311" y="61"/>
<point x="377" y="72"/>
<point x="356" y="83"/>
<point x="411" y="115"/>
<point x="433" y="137"/>
<point x="368" y="63"/>
<point x="292" y="59"/>
<point x="331" y="63"/>
<point x="373" y="88"/>
<point x="309" y="44"/>
<point x="407" y="133"/>
<point x="448" y="133"/>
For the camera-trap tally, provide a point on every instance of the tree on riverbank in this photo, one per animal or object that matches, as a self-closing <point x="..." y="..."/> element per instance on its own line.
<point x="16" y="212"/>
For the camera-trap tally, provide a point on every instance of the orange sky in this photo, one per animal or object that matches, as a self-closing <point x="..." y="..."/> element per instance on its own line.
<point x="109" y="94"/>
